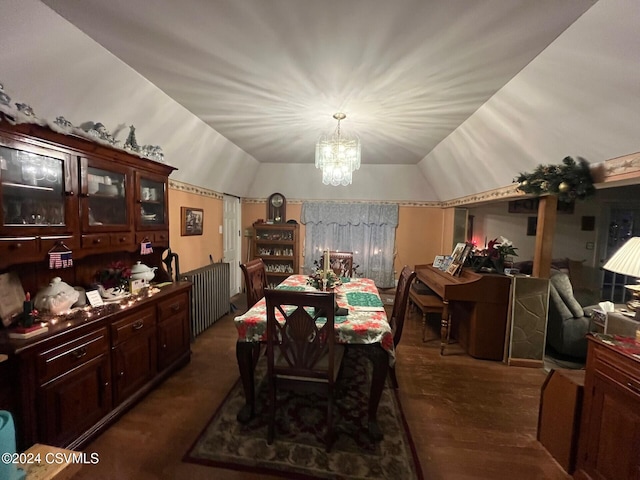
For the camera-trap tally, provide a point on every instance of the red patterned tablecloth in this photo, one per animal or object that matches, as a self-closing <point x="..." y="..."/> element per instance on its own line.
<point x="363" y="325"/>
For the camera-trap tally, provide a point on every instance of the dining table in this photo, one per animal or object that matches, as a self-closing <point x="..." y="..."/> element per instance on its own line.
<point x="365" y="329"/>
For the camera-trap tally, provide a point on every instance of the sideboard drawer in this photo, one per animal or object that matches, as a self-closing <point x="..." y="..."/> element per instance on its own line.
<point x="132" y="325"/>
<point x="63" y="358"/>
<point x="173" y="306"/>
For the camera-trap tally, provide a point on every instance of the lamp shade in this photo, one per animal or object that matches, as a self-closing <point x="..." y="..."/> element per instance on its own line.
<point x="626" y="261"/>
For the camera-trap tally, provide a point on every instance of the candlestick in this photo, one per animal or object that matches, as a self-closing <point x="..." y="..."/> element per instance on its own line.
<point x="27" y="310"/>
<point x="327" y="265"/>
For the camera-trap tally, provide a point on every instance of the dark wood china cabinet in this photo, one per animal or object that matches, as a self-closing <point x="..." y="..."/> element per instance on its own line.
<point x="65" y="386"/>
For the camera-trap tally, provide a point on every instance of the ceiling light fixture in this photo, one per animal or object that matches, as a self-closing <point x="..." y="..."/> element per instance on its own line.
<point x="338" y="155"/>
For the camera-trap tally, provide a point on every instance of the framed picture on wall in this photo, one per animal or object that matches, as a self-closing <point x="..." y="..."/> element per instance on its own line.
<point x="191" y="221"/>
<point x="530" y="206"/>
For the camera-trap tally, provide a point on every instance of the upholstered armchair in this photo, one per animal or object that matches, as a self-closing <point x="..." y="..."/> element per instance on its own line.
<point x="569" y="320"/>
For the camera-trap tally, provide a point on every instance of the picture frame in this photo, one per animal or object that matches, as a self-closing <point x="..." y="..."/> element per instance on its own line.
<point x="532" y="226"/>
<point x="191" y="221"/>
<point x="530" y="206"/>
<point x="459" y="257"/>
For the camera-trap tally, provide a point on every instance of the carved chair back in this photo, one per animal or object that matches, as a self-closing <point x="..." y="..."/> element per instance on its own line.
<point x="255" y="280"/>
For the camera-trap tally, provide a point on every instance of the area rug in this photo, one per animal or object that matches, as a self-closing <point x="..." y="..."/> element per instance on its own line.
<point x="298" y="450"/>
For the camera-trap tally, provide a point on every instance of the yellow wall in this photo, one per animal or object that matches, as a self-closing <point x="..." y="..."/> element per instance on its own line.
<point x="194" y="250"/>
<point x="418" y="237"/>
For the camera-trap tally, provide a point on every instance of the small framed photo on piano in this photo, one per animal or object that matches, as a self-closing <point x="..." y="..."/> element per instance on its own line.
<point x="458" y="257"/>
<point x="457" y="252"/>
<point x="454" y="268"/>
<point x="438" y="262"/>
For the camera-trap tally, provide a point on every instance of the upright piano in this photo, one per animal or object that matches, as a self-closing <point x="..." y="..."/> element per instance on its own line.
<point x="476" y="307"/>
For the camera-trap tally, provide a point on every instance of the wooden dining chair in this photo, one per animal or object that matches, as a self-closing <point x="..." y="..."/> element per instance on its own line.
<point x="399" y="312"/>
<point x="255" y="280"/>
<point x="341" y="263"/>
<point x="299" y="350"/>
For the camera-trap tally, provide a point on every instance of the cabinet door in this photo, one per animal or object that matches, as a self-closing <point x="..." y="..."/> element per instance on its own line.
<point x="134" y="364"/>
<point x="74" y="402"/>
<point x="151" y="202"/>
<point x="105" y="191"/>
<point x="36" y="190"/>
<point x="173" y="339"/>
<point x="613" y="431"/>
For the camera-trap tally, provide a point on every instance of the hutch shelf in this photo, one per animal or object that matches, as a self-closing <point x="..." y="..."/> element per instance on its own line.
<point x="277" y="245"/>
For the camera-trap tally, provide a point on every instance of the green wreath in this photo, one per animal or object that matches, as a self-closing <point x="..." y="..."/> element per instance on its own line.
<point x="570" y="180"/>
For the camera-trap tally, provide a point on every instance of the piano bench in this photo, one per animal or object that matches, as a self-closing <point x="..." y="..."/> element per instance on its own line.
<point x="427" y="304"/>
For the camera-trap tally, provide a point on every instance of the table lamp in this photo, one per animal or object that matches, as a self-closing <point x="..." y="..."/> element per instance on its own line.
<point x="626" y="261"/>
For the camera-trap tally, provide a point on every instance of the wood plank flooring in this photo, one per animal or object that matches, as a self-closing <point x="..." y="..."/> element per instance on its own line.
<point x="469" y="419"/>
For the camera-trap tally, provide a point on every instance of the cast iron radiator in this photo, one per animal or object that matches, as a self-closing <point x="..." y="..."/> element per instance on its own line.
<point x="210" y="295"/>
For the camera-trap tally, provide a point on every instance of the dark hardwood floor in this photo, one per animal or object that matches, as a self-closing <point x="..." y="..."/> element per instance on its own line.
<point x="469" y="419"/>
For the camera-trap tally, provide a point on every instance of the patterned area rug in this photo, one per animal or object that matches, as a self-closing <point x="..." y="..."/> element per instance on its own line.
<point x="298" y="450"/>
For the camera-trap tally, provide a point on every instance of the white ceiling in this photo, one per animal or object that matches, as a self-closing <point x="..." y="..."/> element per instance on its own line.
<point x="269" y="75"/>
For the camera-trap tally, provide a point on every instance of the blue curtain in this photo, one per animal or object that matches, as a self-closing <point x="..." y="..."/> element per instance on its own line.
<point x="367" y="230"/>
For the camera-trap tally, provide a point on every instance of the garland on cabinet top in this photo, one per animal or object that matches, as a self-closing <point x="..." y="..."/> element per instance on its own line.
<point x="570" y="180"/>
<point x="94" y="131"/>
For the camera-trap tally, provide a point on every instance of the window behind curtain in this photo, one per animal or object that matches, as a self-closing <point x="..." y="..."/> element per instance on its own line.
<point x="367" y="230"/>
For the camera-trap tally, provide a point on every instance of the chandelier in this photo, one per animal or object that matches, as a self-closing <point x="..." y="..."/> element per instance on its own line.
<point x="338" y="155"/>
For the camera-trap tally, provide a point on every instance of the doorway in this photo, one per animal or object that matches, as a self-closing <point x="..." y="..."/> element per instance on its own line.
<point x="231" y="238"/>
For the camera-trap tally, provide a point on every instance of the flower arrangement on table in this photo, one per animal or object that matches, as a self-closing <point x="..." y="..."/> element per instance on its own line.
<point x="318" y="277"/>
<point x="500" y="248"/>
<point x="115" y="276"/>
<point x="495" y="254"/>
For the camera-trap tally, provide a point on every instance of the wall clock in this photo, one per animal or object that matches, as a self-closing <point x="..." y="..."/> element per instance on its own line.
<point x="276" y="208"/>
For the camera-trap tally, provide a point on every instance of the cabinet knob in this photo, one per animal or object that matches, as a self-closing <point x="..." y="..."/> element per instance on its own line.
<point x="175" y="307"/>
<point x="137" y="325"/>
<point x="70" y="193"/>
<point x="164" y="345"/>
<point x="106" y="384"/>
<point x="121" y="373"/>
<point x="97" y="240"/>
<point x="633" y="387"/>
<point x="79" y="353"/>
<point x="17" y="245"/>
<point x="123" y="239"/>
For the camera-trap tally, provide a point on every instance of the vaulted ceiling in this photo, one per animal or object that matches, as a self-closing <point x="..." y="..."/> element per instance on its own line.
<point x="269" y="75"/>
<point x="449" y="97"/>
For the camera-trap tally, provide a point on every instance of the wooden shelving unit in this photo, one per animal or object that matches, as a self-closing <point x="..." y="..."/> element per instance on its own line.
<point x="277" y="245"/>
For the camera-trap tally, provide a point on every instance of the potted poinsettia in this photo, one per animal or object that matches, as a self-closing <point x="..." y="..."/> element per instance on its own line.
<point x="498" y="250"/>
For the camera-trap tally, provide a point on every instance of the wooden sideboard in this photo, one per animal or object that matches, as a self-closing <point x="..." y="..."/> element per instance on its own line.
<point x="609" y="446"/>
<point x="69" y="384"/>
<point x="66" y="191"/>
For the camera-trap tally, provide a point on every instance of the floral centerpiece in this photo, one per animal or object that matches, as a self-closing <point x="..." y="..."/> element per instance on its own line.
<point x="319" y="276"/>
<point x="115" y="276"/>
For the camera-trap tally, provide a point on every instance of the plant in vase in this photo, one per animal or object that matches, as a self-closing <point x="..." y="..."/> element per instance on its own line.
<point x="114" y="279"/>
<point x="497" y="251"/>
